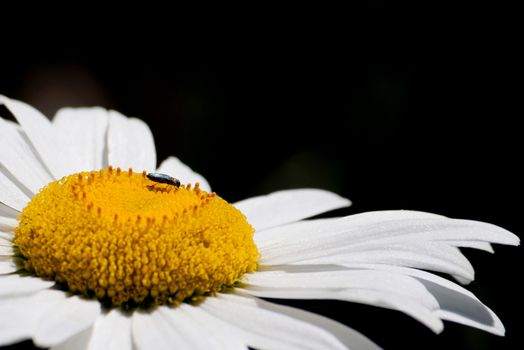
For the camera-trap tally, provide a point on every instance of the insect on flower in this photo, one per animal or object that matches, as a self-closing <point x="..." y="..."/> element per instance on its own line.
<point x="163" y="178"/>
<point x="264" y="246"/>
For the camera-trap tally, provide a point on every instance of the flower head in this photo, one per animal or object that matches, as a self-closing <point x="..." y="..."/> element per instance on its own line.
<point x="120" y="236"/>
<point x="96" y="254"/>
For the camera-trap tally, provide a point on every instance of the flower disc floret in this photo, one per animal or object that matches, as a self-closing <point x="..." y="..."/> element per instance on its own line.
<point x="119" y="236"/>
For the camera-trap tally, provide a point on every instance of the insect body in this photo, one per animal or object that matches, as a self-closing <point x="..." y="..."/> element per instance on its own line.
<point x="163" y="178"/>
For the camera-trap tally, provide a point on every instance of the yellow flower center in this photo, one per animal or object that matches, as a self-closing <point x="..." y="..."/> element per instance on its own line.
<point x="126" y="239"/>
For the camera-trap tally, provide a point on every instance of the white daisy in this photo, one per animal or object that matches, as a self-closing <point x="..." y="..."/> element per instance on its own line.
<point x="99" y="257"/>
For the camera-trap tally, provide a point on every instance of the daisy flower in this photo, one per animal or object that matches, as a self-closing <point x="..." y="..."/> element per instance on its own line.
<point x="98" y="253"/>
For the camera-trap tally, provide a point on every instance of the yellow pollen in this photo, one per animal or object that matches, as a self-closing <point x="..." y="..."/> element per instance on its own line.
<point x="126" y="239"/>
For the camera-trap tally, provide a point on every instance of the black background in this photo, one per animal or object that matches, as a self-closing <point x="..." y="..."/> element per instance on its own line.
<point x="420" y="115"/>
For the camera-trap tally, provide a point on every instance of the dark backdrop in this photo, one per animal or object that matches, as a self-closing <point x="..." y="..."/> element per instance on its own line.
<point x="429" y="123"/>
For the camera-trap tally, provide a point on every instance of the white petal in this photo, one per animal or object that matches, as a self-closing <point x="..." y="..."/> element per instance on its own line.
<point x="472" y="244"/>
<point x="313" y="229"/>
<point x="11" y="195"/>
<point x="188" y="332"/>
<point x="130" y="143"/>
<point x="345" y="279"/>
<point x="416" y="239"/>
<point x="221" y="334"/>
<point x="84" y="131"/>
<point x="69" y="317"/>
<point x="264" y="328"/>
<point x="458" y="307"/>
<point x="8" y="266"/>
<point x="441" y="229"/>
<point x="47" y="142"/>
<point x="433" y="256"/>
<point x="371" y="297"/>
<point x="349" y="337"/>
<point x="455" y="303"/>
<point x="24" y="313"/>
<point x="151" y="332"/>
<point x="20" y="160"/>
<point x="344" y="285"/>
<point x="6" y="250"/>
<point x="386" y="227"/>
<point x="288" y="206"/>
<point x="340" y="228"/>
<point x="79" y="341"/>
<point x="496" y="327"/>
<point x="391" y="215"/>
<point x="6" y="235"/>
<point x="182" y="328"/>
<point x="15" y="285"/>
<point x="172" y="166"/>
<point x="392" y="225"/>
<point x="298" y="232"/>
<point x="7" y="211"/>
<point x="17" y="330"/>
<point x="111" y="331"/>
<point x="390" y="290"/>
<point x="7" y="224"/>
